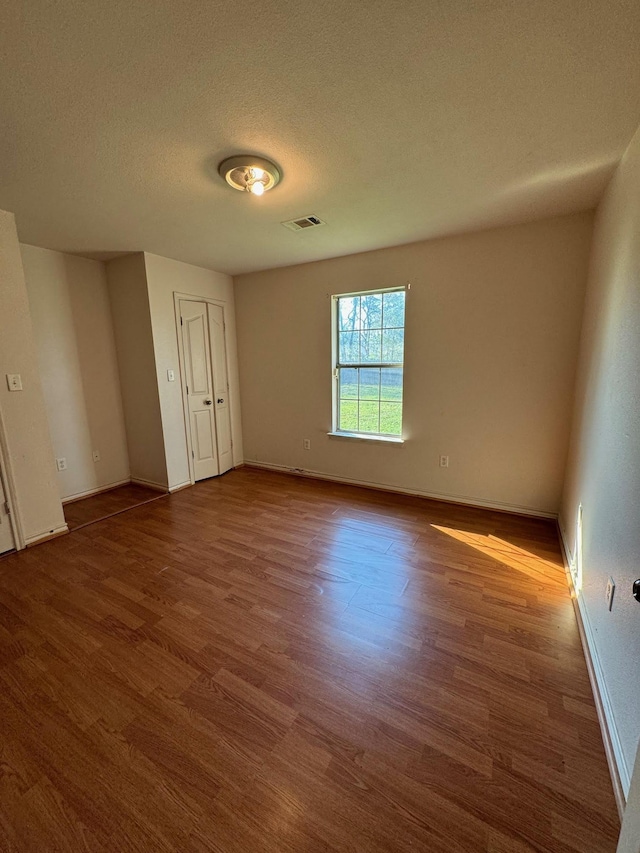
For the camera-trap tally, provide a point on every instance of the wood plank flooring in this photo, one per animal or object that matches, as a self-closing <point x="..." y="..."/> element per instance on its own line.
<point x="97" y="507"/>
<point x="266" y="663"/>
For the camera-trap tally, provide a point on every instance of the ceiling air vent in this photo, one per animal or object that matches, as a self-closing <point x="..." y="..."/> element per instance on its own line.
<point x="305" y="222"/>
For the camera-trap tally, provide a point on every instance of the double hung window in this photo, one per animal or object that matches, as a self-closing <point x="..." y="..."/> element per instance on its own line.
<point x="368" y="331"/>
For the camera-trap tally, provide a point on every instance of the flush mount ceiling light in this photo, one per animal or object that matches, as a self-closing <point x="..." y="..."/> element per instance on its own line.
<point x="251" y="174"/>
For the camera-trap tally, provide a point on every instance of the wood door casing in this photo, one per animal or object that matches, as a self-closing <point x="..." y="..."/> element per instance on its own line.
<point x="6" y="533"/>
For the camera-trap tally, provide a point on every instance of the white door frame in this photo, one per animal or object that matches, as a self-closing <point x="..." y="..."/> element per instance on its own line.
<point x="177" y="296"/>
<point x="10" y="493"/>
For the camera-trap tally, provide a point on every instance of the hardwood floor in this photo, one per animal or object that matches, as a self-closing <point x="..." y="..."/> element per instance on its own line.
<point x="103" y="505"/>
<point x="266" y="663"/>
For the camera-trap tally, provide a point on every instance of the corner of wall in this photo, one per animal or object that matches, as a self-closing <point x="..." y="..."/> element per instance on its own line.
<point x="29" y="463"/>
<point x="131" y="315"/>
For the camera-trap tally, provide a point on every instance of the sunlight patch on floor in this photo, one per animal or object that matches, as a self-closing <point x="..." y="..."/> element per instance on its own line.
<point x="511" y="555"/>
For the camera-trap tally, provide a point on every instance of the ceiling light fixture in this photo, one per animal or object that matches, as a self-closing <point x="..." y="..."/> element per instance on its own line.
<point x="251" y="174"/>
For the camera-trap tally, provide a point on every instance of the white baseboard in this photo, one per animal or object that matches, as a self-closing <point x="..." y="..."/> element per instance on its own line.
<point x="180" y="486"/>
<point x="159" y="487"/>
<point x="78" y="496"/>
<point x="620" y="775"/>
<point x="383" y="487"/>
<point x="36" y="538"/>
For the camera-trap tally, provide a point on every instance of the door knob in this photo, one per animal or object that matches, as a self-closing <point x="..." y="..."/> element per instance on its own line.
<point x="221" y="399"/>
<point x="208" y="402"/>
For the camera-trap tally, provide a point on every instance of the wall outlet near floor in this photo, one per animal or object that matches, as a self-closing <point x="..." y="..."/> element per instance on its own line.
<point x="96" y="455"/>
<point x="444" y="461"/>
<point x="611" y="588"/>
<point x="14" y="382"/>
<point x="306" y="443"/>
<point x="61" y="463"/>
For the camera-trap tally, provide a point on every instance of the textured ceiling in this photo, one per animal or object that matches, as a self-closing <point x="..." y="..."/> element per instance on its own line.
<point x="393" y="121"/>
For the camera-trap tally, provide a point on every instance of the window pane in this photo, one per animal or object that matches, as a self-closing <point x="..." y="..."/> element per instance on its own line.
<point x="370" y="383"/>
<point x="349" y="313"/>
<point x="348" y="415"/>
<point x="371" y="311"/>
<point x="369" y="420"/>
<point x="393" y="304"/>
<point x="391" y="383"/>
<point x="393" y="345"/>
<point x="349" y="345"/>
<point x="348" y="383"/>
<point x="391" y="418"/>
<point x="370" y="346"/>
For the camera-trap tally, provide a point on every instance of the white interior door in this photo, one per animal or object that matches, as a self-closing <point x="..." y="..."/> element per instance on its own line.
<point x="6" y="533"/>
<point x="199" y="380"/>
<point x="220" y="386"/>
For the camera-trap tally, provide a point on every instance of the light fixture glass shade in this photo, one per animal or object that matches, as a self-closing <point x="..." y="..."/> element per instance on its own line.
<point x="249" y="173"/>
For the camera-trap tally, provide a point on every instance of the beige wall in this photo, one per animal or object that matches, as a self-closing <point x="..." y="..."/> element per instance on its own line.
<point x="603" y="473"/>
<point x="164" y="277"/>
<point x="134" y="345"/>
<point x="73" y="331"/>
<point x="492" y="327"/>
<point x="30" y="458"/>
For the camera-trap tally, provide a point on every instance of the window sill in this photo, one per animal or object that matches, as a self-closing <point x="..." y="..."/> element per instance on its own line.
<point x="360" y="436"/>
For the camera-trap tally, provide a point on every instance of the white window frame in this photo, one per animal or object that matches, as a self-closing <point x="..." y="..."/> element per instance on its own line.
<point x="335" y="367"/>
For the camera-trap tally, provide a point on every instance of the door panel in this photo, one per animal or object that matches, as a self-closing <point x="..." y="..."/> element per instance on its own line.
<point x="221" y="387"/>
<point x="203" y="446"/>
<point x="6" y="533"/>
<point x="197" y="376"/>
<point x="197" y="356"/>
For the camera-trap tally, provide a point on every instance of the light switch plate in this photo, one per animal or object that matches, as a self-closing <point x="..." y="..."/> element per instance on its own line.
<point x="171" y="376"/>
<point x="14" y="381"/>
<point x="610" y="592"/>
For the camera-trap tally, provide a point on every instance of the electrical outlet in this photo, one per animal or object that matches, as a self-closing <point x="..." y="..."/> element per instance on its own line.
<point x="61" y="463"/>
<point x="306" y="443"/>
<point x="14" y="382"/>
<point x="96" y="455"/>
<point x="444" y="461"/>
<point x="611" y="588"/>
